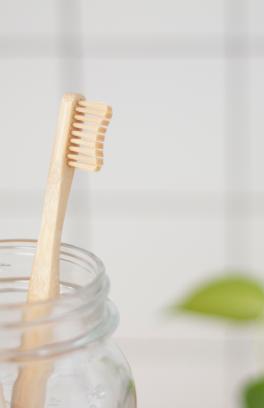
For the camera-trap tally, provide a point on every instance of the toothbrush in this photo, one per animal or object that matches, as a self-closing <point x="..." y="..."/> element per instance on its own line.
<point x="78" y="144"/>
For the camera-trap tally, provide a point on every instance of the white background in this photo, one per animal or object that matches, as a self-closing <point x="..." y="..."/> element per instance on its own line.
<point x="181" y="194"/>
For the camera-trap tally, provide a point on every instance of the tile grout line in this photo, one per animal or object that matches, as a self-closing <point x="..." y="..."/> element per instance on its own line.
<point x="71" y="71"/>
<point x="67" y="45"/>
<point x="237" y="140"/>
<point x="237" y="165"/>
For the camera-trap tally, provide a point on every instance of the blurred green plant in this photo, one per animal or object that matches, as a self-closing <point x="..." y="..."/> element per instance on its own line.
<point x="253" y="394"/>
<point x="236" y="298"/>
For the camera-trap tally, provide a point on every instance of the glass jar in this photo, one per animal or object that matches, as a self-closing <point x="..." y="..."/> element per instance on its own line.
<point x="85" y="367"/>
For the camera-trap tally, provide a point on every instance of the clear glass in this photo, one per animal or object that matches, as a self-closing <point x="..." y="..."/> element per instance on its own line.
<point x="85" y="367"/>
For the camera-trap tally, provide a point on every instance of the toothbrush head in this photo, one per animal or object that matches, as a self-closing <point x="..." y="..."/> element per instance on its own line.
<point x="90" y="122"/>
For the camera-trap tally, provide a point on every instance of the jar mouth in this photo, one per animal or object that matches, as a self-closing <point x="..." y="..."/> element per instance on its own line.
<point x="81" y="314"/>
<point x="28" y="246"/>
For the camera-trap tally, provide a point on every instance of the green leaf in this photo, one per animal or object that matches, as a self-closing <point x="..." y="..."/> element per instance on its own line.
<point x="234" y="297"/>
<point x="253" y="394"/>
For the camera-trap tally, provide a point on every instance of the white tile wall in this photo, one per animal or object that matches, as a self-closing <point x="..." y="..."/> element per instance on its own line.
<point x="256" y="250"/>
<point x="153" y="260"/>
<point x="153" y="17"/>
<point x="166" y="132"/>
<point x="190" y="374"/>
<point x="256" y="10"/>
<point x="28" y="18"/>
<point x="256" y="124"/>
<point x="29" y="105"/>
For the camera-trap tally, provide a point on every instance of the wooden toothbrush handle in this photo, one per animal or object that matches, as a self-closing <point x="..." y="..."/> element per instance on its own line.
<point x="35" y="376"/>
<point x="44" y="282"/>
<point x="30" y="387"/>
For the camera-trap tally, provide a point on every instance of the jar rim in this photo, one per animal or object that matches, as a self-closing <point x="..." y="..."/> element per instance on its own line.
<point x="81" y="316"/>
<point x="28" y="244"/>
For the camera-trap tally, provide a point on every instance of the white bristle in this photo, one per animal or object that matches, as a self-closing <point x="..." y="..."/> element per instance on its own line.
<point x="88" y="134"/>
<point x="83" y="166"/>
<point x="89" y="127"/>
<point x="93" y="161"/>
<point x="87" y="151"/>
<point x="88" y="137"/>
<point x="90" y="145"/>
<point x="92" y="120"/>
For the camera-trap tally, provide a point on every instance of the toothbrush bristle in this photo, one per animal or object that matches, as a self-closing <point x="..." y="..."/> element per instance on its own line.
<point x="91" y="120"/>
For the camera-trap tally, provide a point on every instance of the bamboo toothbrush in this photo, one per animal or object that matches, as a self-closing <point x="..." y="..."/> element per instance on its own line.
<point x="78" y="144"/>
